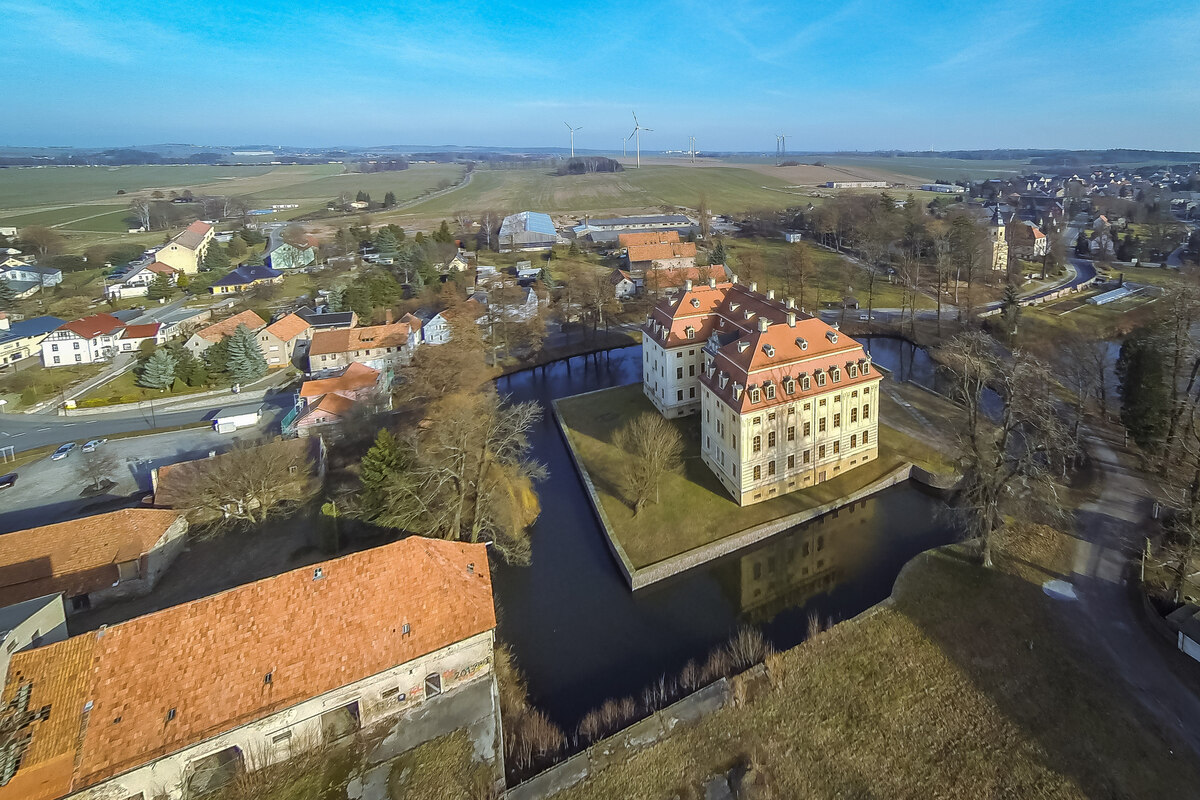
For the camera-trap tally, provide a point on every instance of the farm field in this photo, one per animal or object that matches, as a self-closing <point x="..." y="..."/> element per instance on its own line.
<point x="928" y="169"/>
<point x="28" y="188"/>
<point x="729" y="189"/>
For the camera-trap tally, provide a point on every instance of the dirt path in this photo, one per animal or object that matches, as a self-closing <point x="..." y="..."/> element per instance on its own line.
<point x="1109" y="617"/>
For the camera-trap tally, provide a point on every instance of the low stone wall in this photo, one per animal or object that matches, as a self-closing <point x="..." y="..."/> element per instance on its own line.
<point x="164" y="406"/>
<point x="620" y="746"/>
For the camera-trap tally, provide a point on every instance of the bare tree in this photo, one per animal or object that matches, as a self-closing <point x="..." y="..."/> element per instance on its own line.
<point x="96" y="467"/>
<point x="704" y="218"/>
<point x="44" y="241"/>
<point x="657" y="448"/>
<point x="1009" y="465"/>
<point x="246" y="485"/>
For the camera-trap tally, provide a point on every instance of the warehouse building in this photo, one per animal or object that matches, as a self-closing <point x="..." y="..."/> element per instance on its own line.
<point x="527" y="230"/>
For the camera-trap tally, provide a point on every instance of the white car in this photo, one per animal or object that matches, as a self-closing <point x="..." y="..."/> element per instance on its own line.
<point x="90" y="447"/>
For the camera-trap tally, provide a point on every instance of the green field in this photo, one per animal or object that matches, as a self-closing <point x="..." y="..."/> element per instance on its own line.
<point x="41" y="186"/>
<point x="931" y="169"/>
<point x="729" y="190"/>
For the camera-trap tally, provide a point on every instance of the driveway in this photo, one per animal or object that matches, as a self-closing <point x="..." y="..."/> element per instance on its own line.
<point x="1109" y="616"/>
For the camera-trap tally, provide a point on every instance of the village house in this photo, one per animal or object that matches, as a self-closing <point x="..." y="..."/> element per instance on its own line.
<point x="327" y="401"/>
<point x="284" y="340"/>
<point x="292" y="253"/>
<point x="435" y="328"/>
<point x="136" y="282"/>
<point x="324" y="320"/>
<point x="91" y="561"/>
<point x="96" y="338"/>
<point x="1026" y="240"/>
<point x="381" y="347"/>
<point x="27" y="279"/>
<point x="205" y="338"/>
<point x="176" y="703"/>
<point x="187" y="249"/>
<point x="23" y="338"/>
<point x="662" y="255"/>
<point x="244" y="278"/>
<point x="624" y="284"/>
<point x="667" y="279"/>
<point x="786" y="401"/>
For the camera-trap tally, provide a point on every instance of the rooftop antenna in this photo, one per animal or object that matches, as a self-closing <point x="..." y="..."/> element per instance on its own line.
<point x="572" y="130"/>
<point x="637" y="137"/>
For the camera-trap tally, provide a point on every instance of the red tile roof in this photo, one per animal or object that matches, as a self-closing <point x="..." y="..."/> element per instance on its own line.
<point x="161" y="268"/>
<point x="148" y="331"/>
<point x="658" y="252"/>
<point x="354" y="377"/>
<point x="193" y="235"/>
<point x="648" y="237"/>
<point x="95" y="325"/>
<point x="77" y="556"/>
<point x="219" y="330"/>
<point x="314" y="629"/>
<point x="287" y="328"/>
<point x="368" y="338"/>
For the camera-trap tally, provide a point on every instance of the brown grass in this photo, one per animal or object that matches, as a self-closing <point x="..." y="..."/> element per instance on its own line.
<point x="968" y="686"/>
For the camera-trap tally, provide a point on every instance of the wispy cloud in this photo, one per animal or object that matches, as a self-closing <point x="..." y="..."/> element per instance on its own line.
<point x="76" y="34"/>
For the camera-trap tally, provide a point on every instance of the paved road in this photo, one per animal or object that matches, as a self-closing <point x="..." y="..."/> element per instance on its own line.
<point x="1165" y="681"/>
<point x="26" y="432"/>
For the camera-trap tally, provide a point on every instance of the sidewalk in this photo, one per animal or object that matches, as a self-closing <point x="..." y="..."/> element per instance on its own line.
<point x="250" y="392"/>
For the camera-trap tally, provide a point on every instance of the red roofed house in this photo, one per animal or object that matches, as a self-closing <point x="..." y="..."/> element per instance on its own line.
<point x="173" y="704"/>
<point x="205" y="338"/>
<point x="624" y="284"/>
<point x="284" y="339"/>
<point x="136" y="282"/>
<point x="92" y="560"/>
<point x="663" y="255"/>
<point x="96" y="338"/>
<point x="786" y="401"/>
<point x="327" y="401"/>
<point x="186" y="250"/>
<point x="380" y="347"/>
<point x="1026" y="240"/>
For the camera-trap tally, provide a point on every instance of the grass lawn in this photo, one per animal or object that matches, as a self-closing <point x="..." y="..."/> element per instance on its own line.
<point x="124" y="389"/>
<point x="970" y="686"/>
<point x="29" y="386"/>
<point x="831" y="276"/>
<point x="27" y="188"/>
<point x="441" y="769"/>
<point x="64" y="215"/>
<point x="663" y="529"/>
<point x="929" y="169"/>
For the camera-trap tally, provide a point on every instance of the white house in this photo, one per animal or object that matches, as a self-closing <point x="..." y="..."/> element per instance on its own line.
<point x="96" y="338"/>
<point x="136" y="282"/>
<point x="436" y="328"/>
<point x="27" y="279"/>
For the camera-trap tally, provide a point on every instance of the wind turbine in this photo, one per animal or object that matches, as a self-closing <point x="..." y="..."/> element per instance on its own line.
<point x="572" y="130"/>
<point x="692" y="151"/>
<point x="637" y="137"/>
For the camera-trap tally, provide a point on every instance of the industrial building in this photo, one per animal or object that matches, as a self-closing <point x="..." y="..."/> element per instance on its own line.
<point x="527" y="230"/>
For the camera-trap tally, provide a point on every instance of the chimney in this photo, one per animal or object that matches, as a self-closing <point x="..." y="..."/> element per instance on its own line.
<point x="712" y="283"/>
<point x="754" y="286"/>
<point x="389" y="317"/>
<point x="770" y="294"/>
<point x="763" y="323"/>
<point x="734" y="278"/>
<point x="790" y="302"/>
<point x="687" y="285"/>
<point x="791" y="319"/>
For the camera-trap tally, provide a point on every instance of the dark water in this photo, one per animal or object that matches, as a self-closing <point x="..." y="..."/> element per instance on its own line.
<point x="910" y="362"/>
<point x="582" y="636"/>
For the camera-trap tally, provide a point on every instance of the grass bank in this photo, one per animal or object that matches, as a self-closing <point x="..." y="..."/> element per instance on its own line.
<point x="966" y="684"/>
<point x="695" y="509"/>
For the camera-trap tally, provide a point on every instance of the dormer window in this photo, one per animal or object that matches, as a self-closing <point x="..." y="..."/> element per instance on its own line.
<point x="690" y="331"/>
<point x="769" y="350"/>
<point x="712" y="369"/>
<point x="805" y="383"/>
<point x="801" y="342"/>
<point x="835" y="374"/>
<point x="820" y="379"/>
<point x="748" y="314"/>
<point x="866" y="368"/>
<point x="853" y="370"/>
<point x="734" y="306"/>
<point x="737" y="391"/>
<point x="831" y="336"/>
<point x="723" y="380"/>
<point x="789" y="386"/>
<point x="695" y="303"/>
<point x="755" y="395"/>
<point x="769" y="388"/>
<point x="742" y="345"/>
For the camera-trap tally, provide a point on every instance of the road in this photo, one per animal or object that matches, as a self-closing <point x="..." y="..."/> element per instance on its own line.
<point x="26" y="432"/>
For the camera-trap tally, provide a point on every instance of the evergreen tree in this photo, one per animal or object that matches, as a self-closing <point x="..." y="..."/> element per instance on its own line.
<point x="1144" y="387"/>
<point x="246" y="362"/>
<point x="362" y="197"/>
<point x="442" y="234"/>
<point x="216" y="357"/>
<point x="216" y="258"/>
<point x="385" y="242"/>
<point x="718" y="255"/>
<point x="158" y="371"/>
<point x="389" y="200"/>
<point x="382" y="463"/>
<point x="8" y="297"/>
<point x="160" y="288"/>
<point x="1010" y="308"/>
<point x="419" y="238"/>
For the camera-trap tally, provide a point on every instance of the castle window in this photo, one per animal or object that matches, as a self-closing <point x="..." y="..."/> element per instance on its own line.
<point x="755" y="395"/>
<point x="835" y="374"/>
<point x="853" y="415"/>
<point x="866" y="411"/>
<point x="770" y="390"/>
<point x="757" y="472"/>
<point x="820" y="379"/>
<point x="757" y="444"/>
<point x="771" y="439"/>
<point x="770" y="467"/>
<point x="789" y="386"/>
<point x="853" y="370"/>
<point x="691" y="332"/>
<point x="805" y="383"/>
<point x="791" y="433"/>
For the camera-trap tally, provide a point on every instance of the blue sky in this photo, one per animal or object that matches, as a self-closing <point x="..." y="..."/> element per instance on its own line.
<point x="854" y="75"/>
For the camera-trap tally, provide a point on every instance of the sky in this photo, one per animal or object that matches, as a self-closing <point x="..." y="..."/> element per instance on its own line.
<point x="831" y="75"/>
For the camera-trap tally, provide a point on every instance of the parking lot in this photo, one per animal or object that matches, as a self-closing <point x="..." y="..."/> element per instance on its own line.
<point x="51" y="491"/>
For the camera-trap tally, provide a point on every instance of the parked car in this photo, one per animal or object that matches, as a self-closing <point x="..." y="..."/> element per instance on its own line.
<point x="91" y="446"/>
<point x="8" y="481"/>
<point x="63" y="451"/>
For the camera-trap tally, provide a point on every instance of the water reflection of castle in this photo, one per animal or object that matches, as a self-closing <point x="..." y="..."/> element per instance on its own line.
<point x="790" y="569"/>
